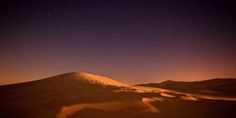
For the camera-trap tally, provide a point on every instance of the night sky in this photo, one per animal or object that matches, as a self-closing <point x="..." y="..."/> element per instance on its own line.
<point x="133" y="41"/>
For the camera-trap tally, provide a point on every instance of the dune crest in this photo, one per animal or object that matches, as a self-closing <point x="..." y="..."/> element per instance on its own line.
<point x="97" y="79"/>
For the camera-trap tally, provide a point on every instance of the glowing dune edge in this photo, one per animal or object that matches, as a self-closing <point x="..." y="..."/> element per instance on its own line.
<point x="185" y="96"/>
<point x="144" y="104"/>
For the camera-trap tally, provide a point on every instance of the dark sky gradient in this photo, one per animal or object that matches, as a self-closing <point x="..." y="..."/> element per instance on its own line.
<point x="132" y="41"/>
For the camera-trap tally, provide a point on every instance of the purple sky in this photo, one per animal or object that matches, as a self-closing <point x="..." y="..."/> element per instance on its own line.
<point x="130" y="41"/>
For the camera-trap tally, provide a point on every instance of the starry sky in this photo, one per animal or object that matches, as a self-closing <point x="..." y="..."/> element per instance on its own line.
<point x="133" y="41"/>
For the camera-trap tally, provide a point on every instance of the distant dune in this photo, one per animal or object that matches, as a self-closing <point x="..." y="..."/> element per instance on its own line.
<point x="218" y="86"/>
<point x="84" y="95"/>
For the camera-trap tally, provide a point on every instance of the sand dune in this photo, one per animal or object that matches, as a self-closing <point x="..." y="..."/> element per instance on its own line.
<point x="83" y="95"/>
